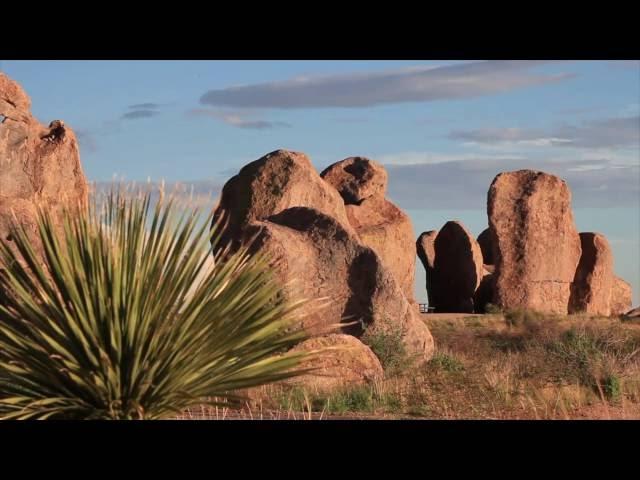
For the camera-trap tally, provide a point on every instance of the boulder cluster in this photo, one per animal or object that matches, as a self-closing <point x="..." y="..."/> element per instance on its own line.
<point x="531" y="256"/>
<point x="330" y="236"/>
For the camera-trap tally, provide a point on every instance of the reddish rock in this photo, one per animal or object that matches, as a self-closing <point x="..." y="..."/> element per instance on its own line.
<point x="347" y="362"/>
<point x="484" y="240"/>
<point x="387" y="230"/>
<point x="356" y="179"/>
<point x="535" y="243"/>
<point x="621" y="296"/>
<point x="316" y="258"/>
<point x="271" y="184"/>
<point x="380" y="224"/>
<point x="40" y="165"/>
<point x="593" y="282"/>
<point x="458" y="269"/>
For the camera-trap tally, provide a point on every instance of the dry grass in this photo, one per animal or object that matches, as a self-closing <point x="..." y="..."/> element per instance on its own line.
<point x="513" y="366"/>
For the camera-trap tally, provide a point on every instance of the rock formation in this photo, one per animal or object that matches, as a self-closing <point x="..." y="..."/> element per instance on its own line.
<point x="593" y="282"/>
<point x="458" y="269"/>
<point x="39" y="165"/>
<point x="351" y="363"/>
<point x="425" y="247"/>
<point x="316" y="258"/>
<point x="271" y="184"/>
<point x="621" y="296"/>
<point x="484" y="240"/>
<point x="536" y="247"/>
<point x="354" y="258"/>
<point x="380" y="224"/>
<point x="484" y="293"/>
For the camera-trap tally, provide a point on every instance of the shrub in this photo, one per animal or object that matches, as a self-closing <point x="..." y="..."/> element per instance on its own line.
<point x="490" y="308"/>
<point x="388" y="345"/>
<point x="523" y="318"/>
<point x="611" y="387"/>
<point x="121" y="322"/>
<point x="446" y="362"/>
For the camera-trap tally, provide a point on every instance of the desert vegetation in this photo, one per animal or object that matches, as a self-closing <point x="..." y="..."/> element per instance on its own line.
<point x="104" y="318"/>
<point x="511" y="365"/>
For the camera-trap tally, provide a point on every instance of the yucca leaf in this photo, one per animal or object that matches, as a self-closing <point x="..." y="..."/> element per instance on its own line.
<point x="117" y="320"/>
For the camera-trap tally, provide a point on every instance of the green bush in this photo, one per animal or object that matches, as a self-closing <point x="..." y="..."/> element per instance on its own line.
<point x="446" y="362"/>
<point x="611" y="387"/>
<point x="388" y="345"/>
<point x="125" y="322"/>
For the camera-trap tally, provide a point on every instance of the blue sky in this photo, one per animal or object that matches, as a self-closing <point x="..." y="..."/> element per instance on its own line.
<point x="443" y="129"/>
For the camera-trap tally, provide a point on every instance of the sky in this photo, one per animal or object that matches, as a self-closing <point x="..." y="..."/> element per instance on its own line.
<point x="443" y="129"/>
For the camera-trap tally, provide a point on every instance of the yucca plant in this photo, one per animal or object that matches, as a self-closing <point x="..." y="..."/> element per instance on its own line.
<point x="125" y="317"/>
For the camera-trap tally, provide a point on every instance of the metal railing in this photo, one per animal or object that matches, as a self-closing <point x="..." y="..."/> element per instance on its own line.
<point x="424" y="308"/>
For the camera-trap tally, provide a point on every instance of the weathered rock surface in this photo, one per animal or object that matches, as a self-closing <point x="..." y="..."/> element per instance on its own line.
<point x="458" y="269"/>
<point x="351" y="363"/>
<point x="356" y="179"/>
<point x="39" y="165"/>
<point x="536" y="247"/>
<point x="315" y="257"/>
<point x="380" y="224"/>
<point x="484" y="240"/>
<point x="593" y="282"/>
<point x="271" y="184"/>
<point x="621" y="296"/>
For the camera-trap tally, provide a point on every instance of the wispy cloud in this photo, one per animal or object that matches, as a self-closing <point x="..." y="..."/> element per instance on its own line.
<point x="136" y="114"/>
<point x="238" y="119"/>
<point x="415" y="84"/>
<point x="145" y="106"/>
<point x="605" y="133"/>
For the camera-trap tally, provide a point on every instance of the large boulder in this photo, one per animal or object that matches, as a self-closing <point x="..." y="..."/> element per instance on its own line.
<point x="458" y="269"/>
<point x="40" y="164"/>
<point x="356" y="179"/>
<point x="483" y="295"/>
<point x="536" y="246"/>
<point x="484" y="241"/>
<point x="425" y="248"/>
<point x="380" y="224"/>
<point x="593" y="282"/>
<point x="621" y="296"/>
<point x="271" y="184"/>
<point x="387" y="230"/>
<point x="347" y="362"/>
<point x="315" y="257"/>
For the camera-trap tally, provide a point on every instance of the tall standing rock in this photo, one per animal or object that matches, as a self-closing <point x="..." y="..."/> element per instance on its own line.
<point x="380" y="224"/>
<point x="426" y="250"/>
<point x="39" y="165"/>
<point x="536" y="246"/>
<point x="593" y="282"/>
<point x="484" y="240"/>
<point x="458" y="269"/>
